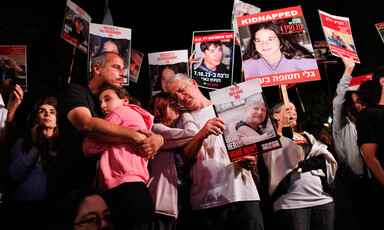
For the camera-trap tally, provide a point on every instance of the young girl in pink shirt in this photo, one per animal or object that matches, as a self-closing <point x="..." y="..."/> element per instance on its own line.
<point x="122" y="173"/>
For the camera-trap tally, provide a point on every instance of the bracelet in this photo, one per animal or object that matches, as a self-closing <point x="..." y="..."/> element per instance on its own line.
<point x="162" y="140"/>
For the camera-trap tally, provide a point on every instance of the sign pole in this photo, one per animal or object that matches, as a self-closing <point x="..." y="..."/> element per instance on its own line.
<point x="73" y="59"/>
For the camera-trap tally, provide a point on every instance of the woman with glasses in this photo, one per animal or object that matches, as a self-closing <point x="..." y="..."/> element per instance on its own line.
<point x="83" y="209"/>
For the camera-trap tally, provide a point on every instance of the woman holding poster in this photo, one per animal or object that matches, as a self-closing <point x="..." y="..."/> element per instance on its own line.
<point x="269" y="51"/>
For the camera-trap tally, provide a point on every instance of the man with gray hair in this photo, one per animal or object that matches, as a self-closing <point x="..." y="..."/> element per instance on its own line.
<point x="223" y="194"/>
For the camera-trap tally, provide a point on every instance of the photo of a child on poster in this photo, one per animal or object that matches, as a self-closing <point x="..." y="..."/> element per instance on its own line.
<point x="163" y="65"/>
<point x="276" y="47"/>
<point x="103" y="38"/>
<point x="13" y="67"/>
<point x="338" y="34"/>
<point x="249" y="128"/>
<point x="214" y="50"/>
<point x="76" y="26"/>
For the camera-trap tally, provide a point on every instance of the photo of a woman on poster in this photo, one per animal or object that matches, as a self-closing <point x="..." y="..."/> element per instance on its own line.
<point x="269" y="51"/>
<point x="166" y="72"/>
<point x="121" y="47"/>
<point x="254" y="126"/>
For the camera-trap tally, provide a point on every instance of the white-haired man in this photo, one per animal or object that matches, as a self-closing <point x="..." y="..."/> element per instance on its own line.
<point x="223" y="194"/>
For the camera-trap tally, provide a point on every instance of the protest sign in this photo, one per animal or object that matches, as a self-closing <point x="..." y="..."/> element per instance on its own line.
<point x="380" y="29"/>
<point x="323" y="54"/>
<point x="135" y="65"/>
<point x="338" y="33"/>
<point x="248" y="125"/>
<point x="13" y="67"/>
<point x="106" y="38"/>
<point x="76" y="26"/>
<point x="240" y="9"/>
<point x="357" y="81"/>
<point x="276" y="47"/>
<point x="163" y="65"/>
<point x="215" y="51"/>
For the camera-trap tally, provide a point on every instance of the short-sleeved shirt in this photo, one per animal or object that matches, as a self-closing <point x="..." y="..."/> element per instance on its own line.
<point x="74" y="169"/>
<point x="215" y="180"/>
<point x="370" y="128"/>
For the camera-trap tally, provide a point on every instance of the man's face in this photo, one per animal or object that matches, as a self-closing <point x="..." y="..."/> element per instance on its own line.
<point x="113" y="71"/>
<point x="213" y="55"/>
<point x="184" y="93"/>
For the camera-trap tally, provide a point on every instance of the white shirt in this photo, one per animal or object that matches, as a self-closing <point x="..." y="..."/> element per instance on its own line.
<point x="215" y="180"/>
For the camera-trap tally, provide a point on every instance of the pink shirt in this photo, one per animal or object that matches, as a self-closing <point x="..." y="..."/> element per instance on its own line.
<point x="119" y="163"/>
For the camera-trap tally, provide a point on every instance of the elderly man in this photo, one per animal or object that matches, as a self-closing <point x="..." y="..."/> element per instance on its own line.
<point x="223" y="194"/>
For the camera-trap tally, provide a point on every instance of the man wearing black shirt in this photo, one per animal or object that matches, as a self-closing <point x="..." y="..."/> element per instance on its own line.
<point x="80" y="117"/>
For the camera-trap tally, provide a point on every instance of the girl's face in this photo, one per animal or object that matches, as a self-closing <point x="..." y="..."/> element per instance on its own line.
<point x="46" y="116"/>
<point x="109" y="100"/>
<point x="356" y="101"/>
<point x="165" y="75"/>
<point x="173" y="113"/>
<point x="256" y="113"/>
<point x="267" y="43"/>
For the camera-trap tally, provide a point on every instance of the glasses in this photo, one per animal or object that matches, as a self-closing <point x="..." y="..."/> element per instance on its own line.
<point x="93" y="222"/>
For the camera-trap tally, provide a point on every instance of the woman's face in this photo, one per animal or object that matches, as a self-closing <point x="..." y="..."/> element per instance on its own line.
<point x="79" y="25"/>
<point x="109" y="46"/>
<point x="356" y="101"/>
<point x="46" y="116"/>
<point x="267" y="43"/>
<point x="287" y="116"/>
<point x="165" y="75"/>
<point x="93" y="213"/>
<point x="256" y="113"/>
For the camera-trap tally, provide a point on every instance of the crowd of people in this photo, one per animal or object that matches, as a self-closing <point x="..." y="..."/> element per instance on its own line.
<point x="96" y="158"/>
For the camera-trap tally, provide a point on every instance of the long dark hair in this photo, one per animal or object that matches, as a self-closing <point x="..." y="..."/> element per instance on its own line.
<point x="289" y="47"/>
<point x="349" y="106"/>
<point x="50" y="146"/>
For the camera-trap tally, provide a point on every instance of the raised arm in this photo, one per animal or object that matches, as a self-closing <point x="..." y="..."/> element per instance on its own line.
<point x="342" y="87"/>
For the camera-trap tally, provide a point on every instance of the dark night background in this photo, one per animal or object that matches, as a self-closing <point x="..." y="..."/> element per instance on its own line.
<point x="168" y="25"/>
